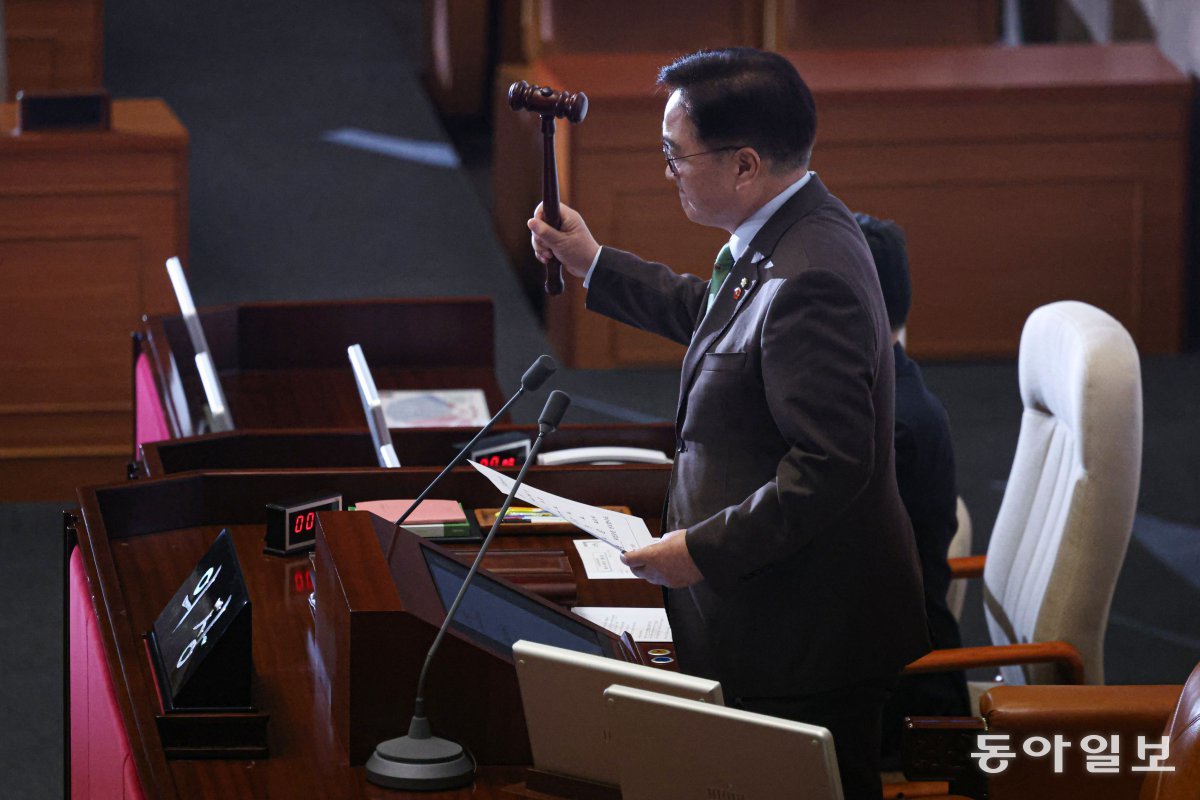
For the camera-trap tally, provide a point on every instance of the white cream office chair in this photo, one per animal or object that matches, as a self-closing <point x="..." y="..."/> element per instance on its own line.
<point x="1065" y="521"/>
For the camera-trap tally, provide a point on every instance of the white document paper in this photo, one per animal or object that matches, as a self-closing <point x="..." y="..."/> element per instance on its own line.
<point x="623" y="531"/>
<point x="600" y="561"/>
<point x="643" y="624"/>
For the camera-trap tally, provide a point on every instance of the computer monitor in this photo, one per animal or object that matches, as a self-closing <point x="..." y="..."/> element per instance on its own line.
<point x="219" y="417"/>
<point x="670" y="747"/>
<point x="494" y="616"/>
<point x="381" y="437"/>
<point x="562" y="692"/>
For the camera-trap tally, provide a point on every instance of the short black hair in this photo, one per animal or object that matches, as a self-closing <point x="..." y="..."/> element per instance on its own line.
<point x="748" y="98"/>
<point x="890" y="251"/>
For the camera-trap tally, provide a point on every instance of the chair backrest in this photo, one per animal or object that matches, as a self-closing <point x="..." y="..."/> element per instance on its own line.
<point x="1064" y="524"/>
<point x="151" y="424"/>
<point x="1183" y="733"/>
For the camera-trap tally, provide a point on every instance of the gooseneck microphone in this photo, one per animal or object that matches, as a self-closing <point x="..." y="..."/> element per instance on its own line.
<point x="421" y="760"/>
<point x="541" y="369"/>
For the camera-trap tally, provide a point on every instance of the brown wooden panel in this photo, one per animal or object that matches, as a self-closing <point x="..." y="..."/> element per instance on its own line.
<point x="1023" y="175"/>
<point x="884" y="23"/>
<point x="54" y="44"/>
<point x="86" y="221"/>
<point x="629" y="26"/>
<point x="284" y="365"/>
<point x="54" y="477"/>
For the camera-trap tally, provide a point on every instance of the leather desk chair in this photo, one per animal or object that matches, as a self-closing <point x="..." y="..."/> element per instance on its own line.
<point x="1060" y="538"/>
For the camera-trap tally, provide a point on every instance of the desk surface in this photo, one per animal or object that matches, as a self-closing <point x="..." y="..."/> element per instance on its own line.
<point x="140" y="540"/>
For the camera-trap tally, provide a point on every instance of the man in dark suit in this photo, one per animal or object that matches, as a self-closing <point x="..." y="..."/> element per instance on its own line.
<point x="789" y="560"/>
<point x="925" y="475"/>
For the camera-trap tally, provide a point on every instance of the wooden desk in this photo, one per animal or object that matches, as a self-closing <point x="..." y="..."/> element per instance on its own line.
<point x="139" y="540"/>
<point x="1021" y="175"/>
<point x="86" y="222"/>
<point x="54" y="44"/>
<point x="427" y="447"/>
<point x="284" y="365"/>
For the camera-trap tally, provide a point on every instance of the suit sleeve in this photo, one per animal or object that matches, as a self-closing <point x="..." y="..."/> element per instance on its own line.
<point x="819" y="363"/>
<point x="646" y="295"/>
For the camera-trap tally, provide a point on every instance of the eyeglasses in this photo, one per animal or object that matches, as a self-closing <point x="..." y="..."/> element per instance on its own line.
<point x="672" y="159"/>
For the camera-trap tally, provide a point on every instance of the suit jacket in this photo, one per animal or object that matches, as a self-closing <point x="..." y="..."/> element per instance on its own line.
<point x="784" y="475"/>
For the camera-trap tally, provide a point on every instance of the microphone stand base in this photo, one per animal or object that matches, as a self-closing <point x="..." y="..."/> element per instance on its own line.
<point x="420" y="764"/>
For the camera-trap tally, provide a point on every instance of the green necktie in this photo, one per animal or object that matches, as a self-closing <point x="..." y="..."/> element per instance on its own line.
<point x="721" y="268"/>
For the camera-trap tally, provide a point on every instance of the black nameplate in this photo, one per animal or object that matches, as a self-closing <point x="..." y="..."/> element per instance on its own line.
<point x="64" y="111"/>
<point x="201" y="640"/>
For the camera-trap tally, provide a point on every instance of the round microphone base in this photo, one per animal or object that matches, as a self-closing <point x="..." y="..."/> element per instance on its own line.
<point x="420" y="762"/>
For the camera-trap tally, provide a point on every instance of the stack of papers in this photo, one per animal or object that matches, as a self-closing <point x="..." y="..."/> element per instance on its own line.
<point x="432" y="519"/>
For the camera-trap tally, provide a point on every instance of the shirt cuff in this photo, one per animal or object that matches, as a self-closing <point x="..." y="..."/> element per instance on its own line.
<point x="595" y="260"/>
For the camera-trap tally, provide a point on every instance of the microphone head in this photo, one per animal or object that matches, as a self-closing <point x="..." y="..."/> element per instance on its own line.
<point x="538" y="372"/>
<point x="552" y="412"/>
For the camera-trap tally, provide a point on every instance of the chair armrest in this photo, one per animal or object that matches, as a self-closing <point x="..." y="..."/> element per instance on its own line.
<point x="967" y="566"/>
<point x="1061" y="653"/>
<point x="1074" y="712"/>
<point x="1130" y="711"/>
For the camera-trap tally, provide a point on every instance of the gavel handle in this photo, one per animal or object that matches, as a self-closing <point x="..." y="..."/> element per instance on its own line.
<point x="550" y="210"/>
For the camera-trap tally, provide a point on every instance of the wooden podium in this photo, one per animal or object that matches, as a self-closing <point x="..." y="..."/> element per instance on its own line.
<point x="284" y="365"/>
<point x="86" y="221"/>
<point x="139" y="540"/>
<point x="416" y="447"/>
<point x="1021" y="175"/>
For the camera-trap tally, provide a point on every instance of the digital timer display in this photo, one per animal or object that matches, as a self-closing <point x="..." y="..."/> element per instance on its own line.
<point x="292" y="527"/>
<point x="502" y="454"/>
<point x="498" y="461"/>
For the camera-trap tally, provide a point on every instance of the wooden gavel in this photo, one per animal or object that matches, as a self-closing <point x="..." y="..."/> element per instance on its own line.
<point x="549" y="104"/>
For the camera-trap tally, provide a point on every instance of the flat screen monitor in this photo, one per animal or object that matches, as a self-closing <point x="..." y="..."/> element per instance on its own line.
<point x="495" y="616"/>
<point x="219" y="417"/>
<point x="670" y="747"/>
<point x="381" y="437"/>
<point x="562" y="692"/>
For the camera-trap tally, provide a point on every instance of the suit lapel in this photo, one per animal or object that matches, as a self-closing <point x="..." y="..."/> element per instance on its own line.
<point x="725" y="308"/>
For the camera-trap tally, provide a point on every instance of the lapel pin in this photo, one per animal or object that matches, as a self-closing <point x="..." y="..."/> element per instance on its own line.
<point x="737" y="294"/>
<point x="743" y="283"/>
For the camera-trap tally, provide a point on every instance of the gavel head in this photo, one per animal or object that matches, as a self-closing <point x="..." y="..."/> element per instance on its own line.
<point x="547" y="102"/>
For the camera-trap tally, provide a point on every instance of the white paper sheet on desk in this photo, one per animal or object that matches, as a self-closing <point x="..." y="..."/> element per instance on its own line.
<point x="643" y="624"/>
<point x="622" y="531"/>
<point x="601" y="562"/>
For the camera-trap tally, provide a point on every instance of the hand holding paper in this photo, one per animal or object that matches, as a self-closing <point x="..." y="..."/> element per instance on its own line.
<point x="623" y="531"/>
<point x="667" y="562"/>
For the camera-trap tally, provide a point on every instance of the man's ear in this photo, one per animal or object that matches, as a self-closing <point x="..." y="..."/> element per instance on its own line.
<point x="749" y="165"/>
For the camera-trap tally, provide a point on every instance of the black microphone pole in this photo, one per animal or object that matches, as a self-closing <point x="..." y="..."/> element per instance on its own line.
<point x="541" y="369"/>
<point x="421" y="760"/>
